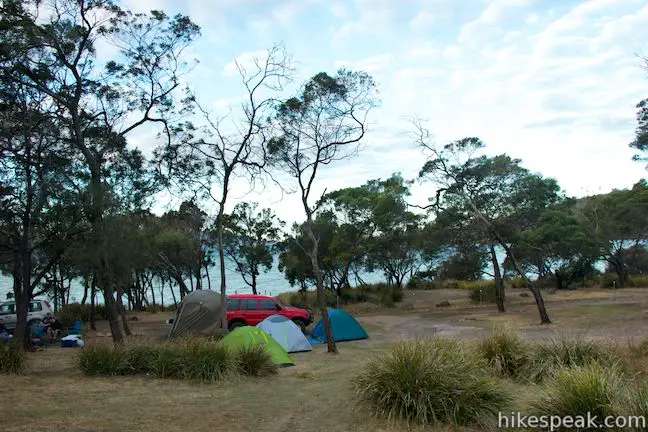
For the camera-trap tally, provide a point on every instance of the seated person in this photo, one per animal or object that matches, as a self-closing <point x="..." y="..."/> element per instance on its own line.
<point x="53" y="326"/>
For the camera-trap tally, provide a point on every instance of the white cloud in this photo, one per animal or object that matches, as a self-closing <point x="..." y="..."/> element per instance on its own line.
<point x="247" y="61"/>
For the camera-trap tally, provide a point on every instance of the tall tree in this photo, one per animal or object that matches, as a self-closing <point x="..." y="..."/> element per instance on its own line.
<point x="250" y="240"/>
<point x="495" y="191"/>
<point x="217" y="152"/>
<point x="640" y="142"/>
<point x="40" y="209"/>
<point x="323" y="124"/>
<point x="51" y="46"/>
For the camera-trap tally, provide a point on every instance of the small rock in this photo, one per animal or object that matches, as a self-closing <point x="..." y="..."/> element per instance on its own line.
<point x="525" y="294"/>
<point x="444" y="303"/>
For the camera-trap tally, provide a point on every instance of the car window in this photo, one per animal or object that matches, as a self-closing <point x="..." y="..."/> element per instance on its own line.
<point x="250" y="304"/>
<point x="35" y="307"/>
<point x="268" y="305"/>
<point x="7" y="308"/>
<point x="233" y="304"/>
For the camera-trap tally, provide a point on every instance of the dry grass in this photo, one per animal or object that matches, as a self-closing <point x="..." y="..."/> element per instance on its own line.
<point x="314" y="395"/>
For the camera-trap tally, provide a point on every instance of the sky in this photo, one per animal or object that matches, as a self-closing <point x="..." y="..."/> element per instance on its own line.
<point x="554" y="83"/>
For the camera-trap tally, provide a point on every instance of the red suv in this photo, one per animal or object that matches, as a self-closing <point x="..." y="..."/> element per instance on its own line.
<point x="250" y="310"/>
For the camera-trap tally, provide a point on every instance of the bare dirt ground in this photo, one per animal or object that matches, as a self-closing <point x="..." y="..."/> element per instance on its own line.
<point x="314" y="395"/>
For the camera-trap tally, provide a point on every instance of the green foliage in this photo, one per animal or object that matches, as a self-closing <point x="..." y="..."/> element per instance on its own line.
<point x="250" y="238"/>
<point x="566" y="351"/>
<point x="106" y="359"/>
<point x="431" y="381"/>
<point x="12" y="360"/>
<point x="640" y="142"/>
<point x="255" y="360"/>
<point x="72" y="312"/>
<point x="188" y="359"/>
<point x="380" y="294"/>
<point x="484" y="293"/>
<point x="505" y="351"/>
<point x="154" y="308"/>
<point x="581" y="390"/>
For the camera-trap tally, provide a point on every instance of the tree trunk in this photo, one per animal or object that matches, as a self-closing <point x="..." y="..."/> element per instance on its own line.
<point x="21" y="337"/>
<point x="319" y="277"/>
<point x="93" y="294"/>
<point x="221" y="261"/>
<point x="122" y="312"/>
<point x="499" y="283"/>
<point x="254" y="283"/>
<point x="86" y="288"/>
<point x="544" y="317"/>
<point x="208" y="276"/>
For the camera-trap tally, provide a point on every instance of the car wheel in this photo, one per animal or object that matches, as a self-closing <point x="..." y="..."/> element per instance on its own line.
<point x="235" y="325"/>
<point x="301" y="324"/>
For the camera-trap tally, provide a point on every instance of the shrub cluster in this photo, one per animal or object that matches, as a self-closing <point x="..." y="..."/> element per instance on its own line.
<point x="380" y="293"/>
<point x="187" y="359"/>
<point x="72" y="312"/>
<point x="431" y="381"/>
<point x="12" y="361"/>
<point x="459" y="383"/>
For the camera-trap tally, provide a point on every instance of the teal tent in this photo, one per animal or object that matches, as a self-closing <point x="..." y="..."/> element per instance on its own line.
<point x="343" y="325"/>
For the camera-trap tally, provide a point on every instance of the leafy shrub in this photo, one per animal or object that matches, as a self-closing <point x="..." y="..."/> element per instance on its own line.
<point x="576" y="391"/>
<point x="255" y="361"/>
<point x="106" y="359"/>
<point x="505" y="351"/>
<point x="485" y="294"/>
<point x="72" y="312"/>
<point x="638" y="281"/>
<point x="380" y="293"/>
<point x="12" y="360"/>
<point x="430" y="381"/>
<point x="566" y="351"/>
<point x="202" y="360"/>
<point x="192" y="359"/>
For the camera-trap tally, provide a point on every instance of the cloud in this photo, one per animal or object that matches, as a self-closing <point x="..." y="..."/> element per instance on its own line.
<point x="246" y="61"/>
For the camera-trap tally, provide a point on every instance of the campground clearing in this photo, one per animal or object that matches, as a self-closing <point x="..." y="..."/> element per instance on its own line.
<point x="314" y="395"/>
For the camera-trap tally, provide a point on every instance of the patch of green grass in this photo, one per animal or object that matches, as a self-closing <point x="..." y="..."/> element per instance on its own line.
<point x="505" y="351"/>
<point x="106" y="359"/>
<point x="581" y="390"/>
<point x="255" y="360"/>
<point x="431" y="381"/>
<point x="567" y="351"/>
<point x="12" y="359"/>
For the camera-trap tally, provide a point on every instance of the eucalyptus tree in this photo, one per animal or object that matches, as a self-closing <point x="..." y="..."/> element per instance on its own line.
<point x="324" y="123"/>
<point x="54" y="46"/>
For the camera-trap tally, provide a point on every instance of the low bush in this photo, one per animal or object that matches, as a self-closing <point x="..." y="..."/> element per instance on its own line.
<point x="567" y="351"/>
<point x="483" y="294"/>
<point x="255" y="361"/>
<point x="72" y="312"/>
<point x="12" y="360"/>
<point x="430" y="381"/>
<point x="202" y="360"/>
<point x="380" y="293"/>
<point x="505" y="352"/>
<point x="109" y="359"/>
<point x="638" y="281"/>
<point x="580" y="391"/>
<point x="191" y="359"/>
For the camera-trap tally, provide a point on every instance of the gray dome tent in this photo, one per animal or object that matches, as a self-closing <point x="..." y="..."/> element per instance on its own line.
<point x="199" y="314"/>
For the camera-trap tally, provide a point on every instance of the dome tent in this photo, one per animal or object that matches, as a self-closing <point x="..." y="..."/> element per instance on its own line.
<point x="246" y="336"/>
<point x="343" y="326"/>
<point x="286" y="333"/>
<point x="199" y="314"/>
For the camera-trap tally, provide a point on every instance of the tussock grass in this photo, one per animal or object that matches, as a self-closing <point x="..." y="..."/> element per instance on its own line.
<point x="578" y="390"/>
<point x="12" y="360"/>
<point x="505" y="352"/>
<point x="566" y="351"/>
<point x="255" y="361"/>
<point x="189" y="359"/>
<point x="431" y="381"/>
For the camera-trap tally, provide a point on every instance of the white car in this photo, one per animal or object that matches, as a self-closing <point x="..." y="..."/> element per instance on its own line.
<point x="37" y="311"/>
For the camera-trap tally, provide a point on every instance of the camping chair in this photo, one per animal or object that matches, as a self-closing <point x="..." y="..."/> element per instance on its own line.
<point x="38" y="334"/>
<point x="76" y="329"/>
